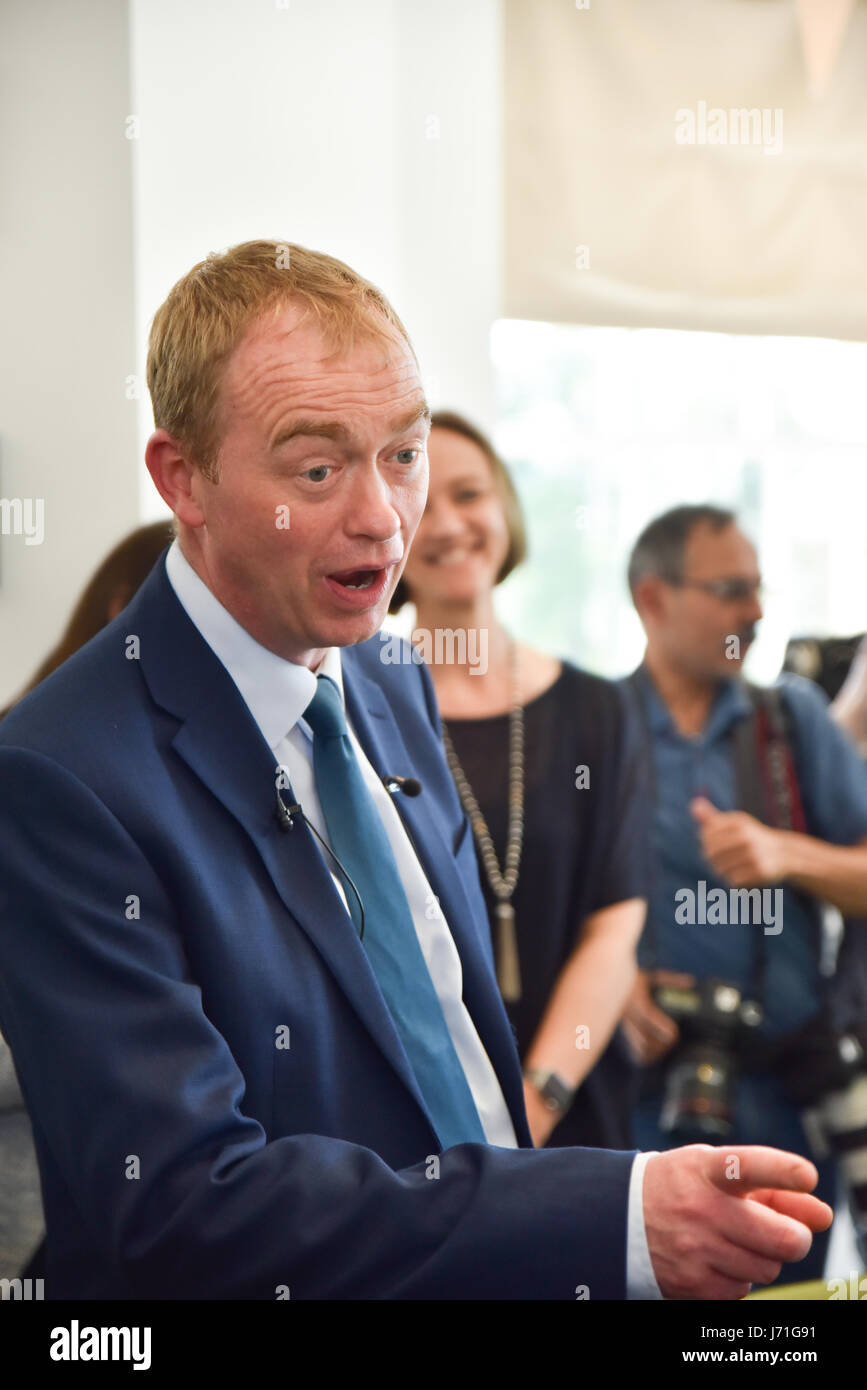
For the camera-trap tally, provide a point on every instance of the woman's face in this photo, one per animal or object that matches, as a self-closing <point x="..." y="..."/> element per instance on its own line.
<point x="462" y="539"/>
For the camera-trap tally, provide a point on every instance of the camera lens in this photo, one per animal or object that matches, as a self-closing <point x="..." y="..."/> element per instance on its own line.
<point x="698" y="1106"/>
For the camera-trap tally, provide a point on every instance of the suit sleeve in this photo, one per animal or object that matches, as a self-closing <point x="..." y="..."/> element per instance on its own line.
<point x="138" y="1103"/>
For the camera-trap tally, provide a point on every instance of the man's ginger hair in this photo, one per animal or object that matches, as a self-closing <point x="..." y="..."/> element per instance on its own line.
<point x="209" y="311"/>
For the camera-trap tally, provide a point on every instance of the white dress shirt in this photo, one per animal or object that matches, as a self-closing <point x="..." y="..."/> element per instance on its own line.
<point x="277" y="692"/>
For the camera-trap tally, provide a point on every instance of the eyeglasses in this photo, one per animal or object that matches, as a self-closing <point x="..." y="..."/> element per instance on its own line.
<point x="728" y="590"/>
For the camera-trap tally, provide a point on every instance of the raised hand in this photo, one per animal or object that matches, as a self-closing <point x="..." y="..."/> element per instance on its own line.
<point x="742" y="850"/>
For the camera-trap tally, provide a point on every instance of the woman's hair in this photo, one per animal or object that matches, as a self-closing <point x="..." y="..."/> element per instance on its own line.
<point x="517" y="551"/>
<point x="121" y="573"/>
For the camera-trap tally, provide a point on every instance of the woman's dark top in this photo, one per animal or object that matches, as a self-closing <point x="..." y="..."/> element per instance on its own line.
<point x="585" y="847"/>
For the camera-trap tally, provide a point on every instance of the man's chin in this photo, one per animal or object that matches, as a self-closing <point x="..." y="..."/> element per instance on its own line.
<point x="348" y="629"/>
<point x="730" y="667"/>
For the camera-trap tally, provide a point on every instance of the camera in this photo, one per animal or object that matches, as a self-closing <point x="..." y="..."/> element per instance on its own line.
<point x="717" y="1025"/>
<point x="825" y="1073"/>
<point x="824" y="660"/>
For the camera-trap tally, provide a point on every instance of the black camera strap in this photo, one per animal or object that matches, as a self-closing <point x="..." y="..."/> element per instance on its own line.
<point x="767" y="778"/>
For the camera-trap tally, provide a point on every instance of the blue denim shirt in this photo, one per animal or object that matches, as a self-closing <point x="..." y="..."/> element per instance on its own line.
<point x="833" y="785"/>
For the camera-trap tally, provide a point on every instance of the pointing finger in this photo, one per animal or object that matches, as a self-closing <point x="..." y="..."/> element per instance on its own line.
<point x="749" y="1167"/>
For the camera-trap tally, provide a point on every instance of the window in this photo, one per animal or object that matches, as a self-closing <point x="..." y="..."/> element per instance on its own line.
<point x="604" y="428"/>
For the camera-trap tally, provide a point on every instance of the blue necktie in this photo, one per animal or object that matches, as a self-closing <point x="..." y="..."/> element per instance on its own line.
<point x="359" y="840"/>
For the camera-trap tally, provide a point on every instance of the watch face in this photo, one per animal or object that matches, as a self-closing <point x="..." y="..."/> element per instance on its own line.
<point x="557" y="1096"/>
<point x="554" y="1093"/>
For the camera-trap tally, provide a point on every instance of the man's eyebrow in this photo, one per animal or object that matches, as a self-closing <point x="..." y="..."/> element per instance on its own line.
<point x="332" y="429"/>
<point x="327" y="429"/>
<point x="420" y="412"/>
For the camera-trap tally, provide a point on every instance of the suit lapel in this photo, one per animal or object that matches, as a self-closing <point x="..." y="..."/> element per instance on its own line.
<point x="221" y="743"/>
<point x="380" y="736"/>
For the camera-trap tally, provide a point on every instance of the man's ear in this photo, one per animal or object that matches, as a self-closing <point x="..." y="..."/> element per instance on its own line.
<point x="648" y="597"/>
<point x="176" y="479"/>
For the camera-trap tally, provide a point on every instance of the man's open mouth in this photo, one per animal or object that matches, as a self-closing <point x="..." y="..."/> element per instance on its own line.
<point x="361" y="588"/>
<point x="356" y="579"/>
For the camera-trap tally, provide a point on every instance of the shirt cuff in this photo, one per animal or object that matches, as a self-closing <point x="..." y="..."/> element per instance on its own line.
<point x="640" y="1279"/>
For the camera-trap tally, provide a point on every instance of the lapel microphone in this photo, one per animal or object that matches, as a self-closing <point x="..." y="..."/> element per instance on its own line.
<point x="410" y="786"/>
<point x="286" y="821"/>
<point x="286" y="813"/>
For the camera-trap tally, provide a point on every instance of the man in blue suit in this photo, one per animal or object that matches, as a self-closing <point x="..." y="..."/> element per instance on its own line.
<point x="264" y="1062"/>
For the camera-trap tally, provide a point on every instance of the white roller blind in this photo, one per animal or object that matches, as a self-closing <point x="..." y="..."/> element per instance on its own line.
<point x="614" y="217"/>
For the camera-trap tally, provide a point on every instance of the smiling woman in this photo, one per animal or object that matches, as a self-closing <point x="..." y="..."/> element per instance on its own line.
<point x="561" y="859"/>
<point x="479" y="474"/>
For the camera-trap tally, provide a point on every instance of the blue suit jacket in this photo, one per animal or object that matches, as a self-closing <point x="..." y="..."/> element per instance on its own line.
<point x="159" y="933"/>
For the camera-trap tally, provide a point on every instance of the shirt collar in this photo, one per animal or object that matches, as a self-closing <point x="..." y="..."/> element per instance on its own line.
<point x="276" y="691"/>
<point x="730" y="704"/>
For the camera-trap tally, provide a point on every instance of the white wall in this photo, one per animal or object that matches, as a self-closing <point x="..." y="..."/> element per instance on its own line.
<point x="67" y="432"/>
<point x="367" y="130"/>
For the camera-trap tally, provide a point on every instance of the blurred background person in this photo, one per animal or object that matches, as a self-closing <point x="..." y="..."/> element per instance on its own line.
<point x="838" y="666"/>
<point x="753" y="788"/>
<point x="849" y="709"/>
<point x="549" y="769"/>
<point x="105" y="595"/>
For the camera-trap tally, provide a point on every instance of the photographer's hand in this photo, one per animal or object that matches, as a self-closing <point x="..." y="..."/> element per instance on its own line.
<point x="742" y="850"/>
<point x="749" y="854"/>
<point x="720" y="1219"/>
<point x="649" y="1031"/>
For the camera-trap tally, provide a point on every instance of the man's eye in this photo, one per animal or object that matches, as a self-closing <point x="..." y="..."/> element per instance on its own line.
<point x="401" y="455"/>
<point x="321" y="469"/>
<point x="467" y="495"/>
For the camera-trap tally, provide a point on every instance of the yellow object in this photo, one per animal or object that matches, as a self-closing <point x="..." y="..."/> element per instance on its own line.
<point x="852" y="1287"/>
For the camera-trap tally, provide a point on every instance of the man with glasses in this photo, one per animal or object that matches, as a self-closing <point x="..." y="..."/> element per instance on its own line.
<point x="754" y="791"/>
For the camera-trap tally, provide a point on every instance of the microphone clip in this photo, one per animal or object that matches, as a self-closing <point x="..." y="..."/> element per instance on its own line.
<point x="410" y="786"/>
<point x="286" y="820"/>
<point x="286" y="814"/>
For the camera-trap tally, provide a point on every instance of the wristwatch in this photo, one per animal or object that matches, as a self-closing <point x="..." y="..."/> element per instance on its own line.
<point x="555" y="1093"/>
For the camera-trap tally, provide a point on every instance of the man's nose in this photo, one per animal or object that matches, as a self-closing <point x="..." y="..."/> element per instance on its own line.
<point x="754" y="609"/>
<point x="370" y="506"/>
<point x="748" y="614"/>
